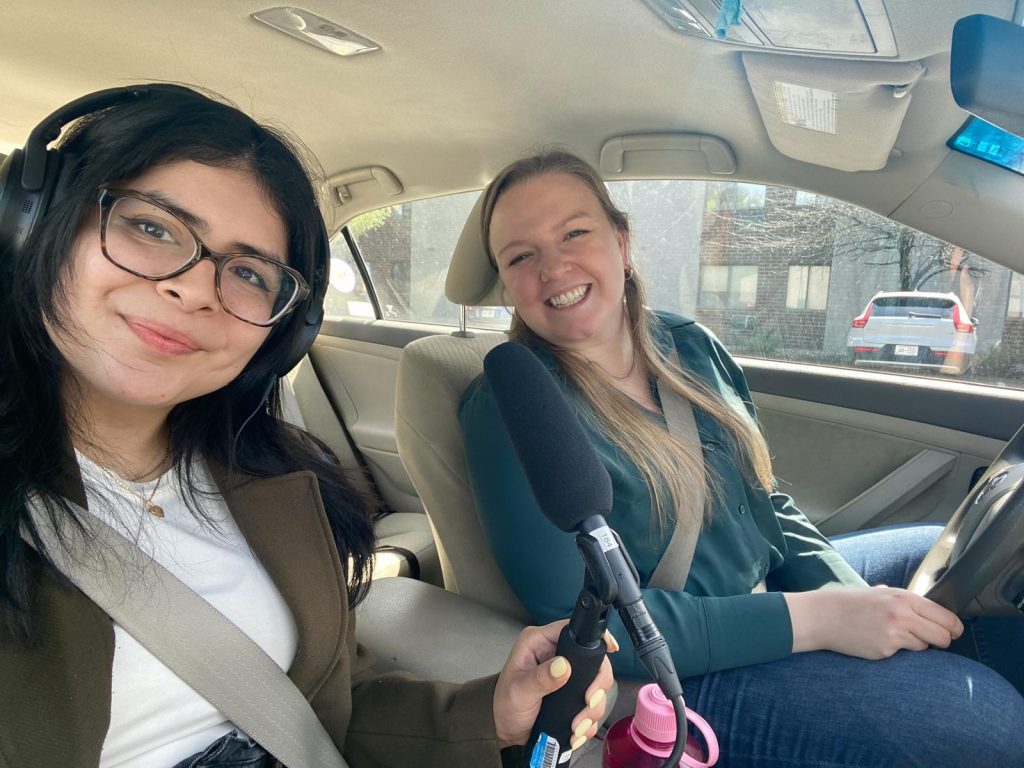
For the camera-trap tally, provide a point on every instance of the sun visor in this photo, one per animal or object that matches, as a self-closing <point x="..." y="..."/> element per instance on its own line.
<point x="839" y="114"/>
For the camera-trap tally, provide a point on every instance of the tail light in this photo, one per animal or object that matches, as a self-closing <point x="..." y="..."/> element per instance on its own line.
<point x="960" y="325"/>
<point x="862" y="320"/>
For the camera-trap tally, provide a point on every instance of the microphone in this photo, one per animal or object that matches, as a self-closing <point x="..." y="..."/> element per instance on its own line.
<point x="574" y="491"/>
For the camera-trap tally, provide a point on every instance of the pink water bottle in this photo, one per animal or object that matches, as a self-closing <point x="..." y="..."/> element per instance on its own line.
<point x="645" y="739"/>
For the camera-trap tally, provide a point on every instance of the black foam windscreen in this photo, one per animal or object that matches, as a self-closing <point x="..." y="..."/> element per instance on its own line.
<point x="567" y="477"/>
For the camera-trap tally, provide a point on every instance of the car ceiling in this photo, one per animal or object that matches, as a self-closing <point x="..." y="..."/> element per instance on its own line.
<point x="461" y="87"/>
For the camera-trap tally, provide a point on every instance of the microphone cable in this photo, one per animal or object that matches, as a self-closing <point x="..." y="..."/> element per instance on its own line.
<point x="679" y="707"/>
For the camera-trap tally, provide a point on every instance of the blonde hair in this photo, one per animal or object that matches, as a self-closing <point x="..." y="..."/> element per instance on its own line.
<point x="668" y="467"/>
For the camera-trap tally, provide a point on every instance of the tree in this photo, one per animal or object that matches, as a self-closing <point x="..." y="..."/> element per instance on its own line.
<point x="924" y="263"/>
<point x="855" y="234"/>
<point x="370" y="221"/>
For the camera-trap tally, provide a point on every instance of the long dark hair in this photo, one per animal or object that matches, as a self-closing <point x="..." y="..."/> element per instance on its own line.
<point x="117" y="145"/>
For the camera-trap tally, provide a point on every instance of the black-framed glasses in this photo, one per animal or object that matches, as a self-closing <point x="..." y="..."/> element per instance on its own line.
<point x="141" y="236"/>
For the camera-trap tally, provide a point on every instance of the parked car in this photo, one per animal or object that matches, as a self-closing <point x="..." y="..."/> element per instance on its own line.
<point x="915" y="330"/>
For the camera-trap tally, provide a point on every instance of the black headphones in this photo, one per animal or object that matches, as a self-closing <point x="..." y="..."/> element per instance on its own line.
<point x="29" y="176"/>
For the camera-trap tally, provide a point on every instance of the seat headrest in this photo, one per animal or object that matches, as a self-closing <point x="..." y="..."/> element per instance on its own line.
<point x="472" y="280"/>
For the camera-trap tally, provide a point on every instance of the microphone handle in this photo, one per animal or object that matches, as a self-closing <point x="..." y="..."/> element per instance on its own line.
<point x="549" y="744"/>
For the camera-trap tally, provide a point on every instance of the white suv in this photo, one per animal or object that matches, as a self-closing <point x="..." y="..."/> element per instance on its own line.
<point x="913" y="329"/>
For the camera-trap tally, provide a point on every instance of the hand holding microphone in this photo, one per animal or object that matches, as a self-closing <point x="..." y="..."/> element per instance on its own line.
<point x="574" y="491"/>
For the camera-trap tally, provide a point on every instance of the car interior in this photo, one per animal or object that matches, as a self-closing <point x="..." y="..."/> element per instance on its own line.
<point x="848" y="101"/>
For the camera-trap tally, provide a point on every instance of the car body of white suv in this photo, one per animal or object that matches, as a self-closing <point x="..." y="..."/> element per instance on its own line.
<point x="914" y="329"/>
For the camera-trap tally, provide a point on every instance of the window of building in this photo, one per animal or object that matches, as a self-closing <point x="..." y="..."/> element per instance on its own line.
<point x="1015" y="305"/>
<point x="728" y="287"/>
<point x="807" y="287"/>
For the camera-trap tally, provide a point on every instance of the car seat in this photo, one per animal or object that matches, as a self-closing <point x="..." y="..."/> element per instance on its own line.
<point x="433" y="374"/>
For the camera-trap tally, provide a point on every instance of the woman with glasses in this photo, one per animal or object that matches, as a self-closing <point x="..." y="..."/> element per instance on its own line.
<point x="177" y="271"/>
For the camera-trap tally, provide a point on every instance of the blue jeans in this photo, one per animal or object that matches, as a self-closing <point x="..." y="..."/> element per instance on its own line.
<point x="932" y="709"/>
<point x="232" y="750"/>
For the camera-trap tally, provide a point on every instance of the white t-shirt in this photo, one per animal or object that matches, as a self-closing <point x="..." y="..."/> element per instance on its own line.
<point x="156" y="719"/>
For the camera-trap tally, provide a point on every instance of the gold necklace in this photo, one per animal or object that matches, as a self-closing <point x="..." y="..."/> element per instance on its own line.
<point x="147" y="499"/>
<point x="154" y="509"/>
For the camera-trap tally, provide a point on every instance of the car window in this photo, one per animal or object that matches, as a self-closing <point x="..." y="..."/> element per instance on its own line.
<point x="902" y="305"/>
<point x="776" y="273"/>
<point x="406" y="250"/>
<point x="346" y="294"/>
<point x="782" y="274"/>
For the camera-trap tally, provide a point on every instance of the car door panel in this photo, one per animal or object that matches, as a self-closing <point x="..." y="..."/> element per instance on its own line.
<point x="359" y="378"/>
<point x="972" y="409"/>
<point x="849" y="467"/>
<point x="357" y="362"/>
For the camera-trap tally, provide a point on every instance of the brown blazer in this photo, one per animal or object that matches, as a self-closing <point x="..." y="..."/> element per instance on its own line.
<point x="55" y="695"/>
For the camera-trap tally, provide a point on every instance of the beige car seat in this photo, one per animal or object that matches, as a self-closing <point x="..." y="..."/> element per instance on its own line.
<point x="433" y="374"/>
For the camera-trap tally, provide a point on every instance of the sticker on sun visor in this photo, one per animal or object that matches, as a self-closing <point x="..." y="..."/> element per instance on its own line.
<point x="806" y="107"/>
<point x="605" y="538"/>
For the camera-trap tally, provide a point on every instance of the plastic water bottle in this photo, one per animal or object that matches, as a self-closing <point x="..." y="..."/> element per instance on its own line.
<point x="645" y="739"/>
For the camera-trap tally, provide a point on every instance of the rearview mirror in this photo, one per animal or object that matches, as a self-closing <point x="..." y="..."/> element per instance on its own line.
<point x="985" y="71"/>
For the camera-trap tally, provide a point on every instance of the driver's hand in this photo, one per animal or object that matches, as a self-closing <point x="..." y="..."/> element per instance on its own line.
<point x="869" y="622"/>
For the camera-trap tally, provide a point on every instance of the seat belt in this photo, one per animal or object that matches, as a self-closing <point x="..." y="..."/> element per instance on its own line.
<point x="221" y="663"/>
<point x="674" y="565"/>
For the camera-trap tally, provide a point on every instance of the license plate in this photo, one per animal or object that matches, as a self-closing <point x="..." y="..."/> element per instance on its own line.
<point x="906" y="350"/>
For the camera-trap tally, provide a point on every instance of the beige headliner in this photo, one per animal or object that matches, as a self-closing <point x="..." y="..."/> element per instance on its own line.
<point x="462" y="87"/>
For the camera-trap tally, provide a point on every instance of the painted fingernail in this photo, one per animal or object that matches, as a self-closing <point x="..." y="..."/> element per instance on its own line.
<point x="558" y="667"/>
<point x="578" y="742"/>
<point x="583" y="727"/>
<point x="596" y="699"/>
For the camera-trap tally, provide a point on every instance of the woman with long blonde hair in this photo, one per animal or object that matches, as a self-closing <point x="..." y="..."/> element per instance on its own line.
<point x="783" y="646"/>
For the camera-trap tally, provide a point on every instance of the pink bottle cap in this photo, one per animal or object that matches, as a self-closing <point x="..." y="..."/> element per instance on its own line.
<point x="654" y="728"/>
<point x="654" y="721"/>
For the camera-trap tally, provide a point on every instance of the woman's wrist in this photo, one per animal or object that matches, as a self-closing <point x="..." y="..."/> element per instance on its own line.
<point x="808" y="616"/>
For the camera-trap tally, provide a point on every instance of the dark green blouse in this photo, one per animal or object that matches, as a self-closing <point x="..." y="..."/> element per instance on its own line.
<point x="711" y="623"/>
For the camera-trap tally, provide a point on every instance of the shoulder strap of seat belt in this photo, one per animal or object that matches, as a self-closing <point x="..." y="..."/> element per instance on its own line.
<point x="674" y="565"/>
<point x="194" y="640"/>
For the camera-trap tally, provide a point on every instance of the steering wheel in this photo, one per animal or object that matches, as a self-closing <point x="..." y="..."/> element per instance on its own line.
<point x="977" y="565"/>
